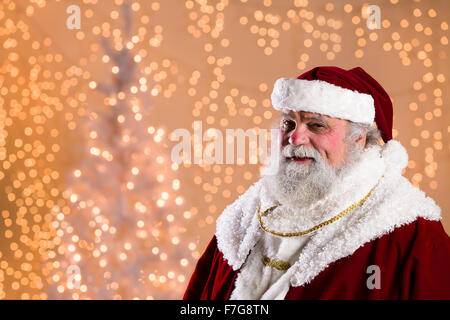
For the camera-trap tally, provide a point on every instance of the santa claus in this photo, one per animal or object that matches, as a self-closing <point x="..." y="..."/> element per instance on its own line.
<point x="337" y="220"/>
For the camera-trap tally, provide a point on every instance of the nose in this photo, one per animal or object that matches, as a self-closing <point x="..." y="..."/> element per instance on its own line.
<point x="299" y="136"/>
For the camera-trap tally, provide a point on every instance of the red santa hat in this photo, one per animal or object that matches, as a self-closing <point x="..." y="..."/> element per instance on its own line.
<point x="346" y="94"/>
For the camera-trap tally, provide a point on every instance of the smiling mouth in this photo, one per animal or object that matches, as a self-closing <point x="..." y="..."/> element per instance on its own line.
<point x="300" y="159"/>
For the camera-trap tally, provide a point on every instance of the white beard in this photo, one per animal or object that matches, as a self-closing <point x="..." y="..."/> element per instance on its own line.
<point x="300" y="185"/>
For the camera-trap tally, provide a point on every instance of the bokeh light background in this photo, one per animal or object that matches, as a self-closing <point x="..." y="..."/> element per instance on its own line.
<point x="91" y="204"/>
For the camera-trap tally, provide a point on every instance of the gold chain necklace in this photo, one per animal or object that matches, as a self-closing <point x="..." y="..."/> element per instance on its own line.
<point x="277" y="264"/>
<point x="301" y="233"/>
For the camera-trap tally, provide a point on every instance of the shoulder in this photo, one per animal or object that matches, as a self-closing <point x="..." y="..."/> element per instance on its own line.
<point x="422" y="251"/>
<point x="420" y="236"/>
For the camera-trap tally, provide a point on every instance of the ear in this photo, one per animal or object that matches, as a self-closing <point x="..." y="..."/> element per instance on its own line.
<point x="361" y="141"/>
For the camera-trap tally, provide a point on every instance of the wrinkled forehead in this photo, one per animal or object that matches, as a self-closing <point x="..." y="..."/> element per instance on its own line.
<point x="304" y="115"/>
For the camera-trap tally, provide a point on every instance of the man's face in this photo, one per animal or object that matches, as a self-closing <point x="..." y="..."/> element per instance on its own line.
<point x="314" y="152"/>
<point x="324" y="134"/>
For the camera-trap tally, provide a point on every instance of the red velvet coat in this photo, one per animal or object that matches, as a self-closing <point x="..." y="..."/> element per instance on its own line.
<point x="414" y="261"/>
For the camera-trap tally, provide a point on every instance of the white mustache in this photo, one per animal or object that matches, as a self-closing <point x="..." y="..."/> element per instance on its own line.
<point x="291" y="151"/>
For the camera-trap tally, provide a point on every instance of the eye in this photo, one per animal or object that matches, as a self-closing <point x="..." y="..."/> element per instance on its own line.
<point x="288" y="125"/>
<point x="317" y="126"/>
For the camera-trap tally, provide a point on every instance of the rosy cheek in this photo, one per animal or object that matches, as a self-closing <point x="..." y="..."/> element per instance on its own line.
<point x="331" y="144"/>
<point x="339" y="148"/>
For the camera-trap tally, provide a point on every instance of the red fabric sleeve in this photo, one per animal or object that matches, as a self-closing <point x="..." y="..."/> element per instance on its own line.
<point x="427" y="271"/>
<point x="213" y="278"/>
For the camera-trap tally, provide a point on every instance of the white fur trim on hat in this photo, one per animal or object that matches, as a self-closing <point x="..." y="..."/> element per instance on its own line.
<point x="321" y="97"/>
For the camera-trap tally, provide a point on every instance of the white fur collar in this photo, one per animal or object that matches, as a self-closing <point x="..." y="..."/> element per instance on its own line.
<point x="395" y="202"/>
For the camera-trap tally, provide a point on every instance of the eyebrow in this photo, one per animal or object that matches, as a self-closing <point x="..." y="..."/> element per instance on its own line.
<point x="307" y="118"/>
<point x="317" y="118"/>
